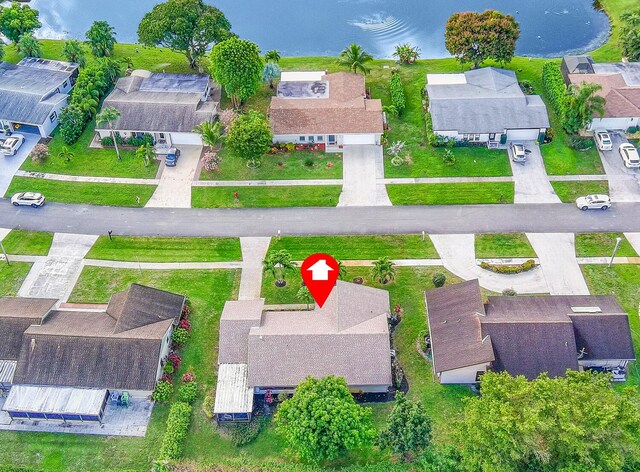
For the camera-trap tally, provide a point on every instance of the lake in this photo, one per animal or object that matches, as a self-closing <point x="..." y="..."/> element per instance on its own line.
<point x="325" y="27"/>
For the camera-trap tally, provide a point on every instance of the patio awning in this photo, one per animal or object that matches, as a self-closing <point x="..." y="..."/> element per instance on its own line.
<point x="7" y="369"/>
<point x="232" y="393"/>
<point x="37" y="400"/>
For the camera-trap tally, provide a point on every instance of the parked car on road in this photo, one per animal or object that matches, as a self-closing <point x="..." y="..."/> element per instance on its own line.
<point x="172" y="157"/>
<point x="603" y="140"/>
<point x="518" y="152"/>
<point x="11" y="145"/>
<point x="28" y="199"/>
<point x="594" y="202"/>
<point x="629" y="155"/>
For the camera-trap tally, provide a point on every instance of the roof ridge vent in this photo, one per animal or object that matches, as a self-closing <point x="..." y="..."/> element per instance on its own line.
<point x="586" y="309"/>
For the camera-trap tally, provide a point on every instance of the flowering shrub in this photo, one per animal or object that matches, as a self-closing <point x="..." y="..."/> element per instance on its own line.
<point x="509" y="269"/>
<point x="330" y="164"/>
<point x="186" y="311"/>
<point x="162" y="392"/>
<point x="166" y="378"/>
<point x="175" y="360"/>
<point x="39" y="153"/>
<point x="210" y="161"/>
<point x="185" y="324"/>
<point x="188" y="392"/>
<point x="188" y="377"/>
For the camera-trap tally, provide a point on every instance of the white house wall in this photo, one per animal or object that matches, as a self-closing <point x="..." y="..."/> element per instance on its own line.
<point x="464" y="375"/>
<point x="614" y="123"/>
<point x="48" y="126"/>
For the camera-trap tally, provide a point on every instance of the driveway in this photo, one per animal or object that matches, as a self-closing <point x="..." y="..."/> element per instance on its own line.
<point x="362" y="167"/>
<point x="174" y="189"/>
<point x="531" y="181"/>
<point x="10" y="164"/>
<point x="624" y="183"/>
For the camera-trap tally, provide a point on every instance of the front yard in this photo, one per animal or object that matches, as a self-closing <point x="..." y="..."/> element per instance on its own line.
<point x="262" y="196"/>
<point x="503" y="245"/>
<point x="602" y="245"/>
<point x="451" y="194"/>
<point x="12" y="276"/>
<point x="32" y="243"/>
<point x="569" y="191"/>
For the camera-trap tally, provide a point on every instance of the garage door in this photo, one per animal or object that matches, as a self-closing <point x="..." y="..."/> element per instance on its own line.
<point x="523" y="134"/>
<point x="359" y="139"/>
<point x="186" y="138"/>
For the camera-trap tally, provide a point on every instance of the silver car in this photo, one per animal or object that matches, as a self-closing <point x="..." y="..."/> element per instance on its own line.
<point x="518" y="152"/>
<point x="32" y="199"/>
<point x="594" y="202"/>
<point x="11" y="145"/>
<point x="629" y="155"/>
<point x="603" y="140"/>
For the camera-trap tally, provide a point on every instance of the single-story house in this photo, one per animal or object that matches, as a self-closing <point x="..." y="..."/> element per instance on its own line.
<point x="486" y="106"/>
<point x="74" y="358"/>
<point x="525" y="335"/>
<point x="262" y="350"/>
<point x="327" y="109"/>
<point x="33" y="92"/>
<point x="620" y="84"/>
<point x="165" y="106"/>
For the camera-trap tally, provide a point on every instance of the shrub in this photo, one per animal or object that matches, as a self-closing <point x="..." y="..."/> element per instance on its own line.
<point x="439" y="279"/>
<point x="39" y="153"/>
<point x="244" y="433"/>
<point x="579" y="143"/>
<point x="509" y="269"/>
<point x="168" y="368"/>
<point x="186" y="310"/>
<point x="210" y="161"/>
<point x="555" y="87"/>
<point x="188" y="377"/>
<point x="140" y="141"/>
<point x="72" y="121"/>
<point x="548" y="136"/>
<point x="509" y="292"/>
<point x="176" y="432"/>
<point x="308" y="162"/>
<point x="398" y="99"/>
<point x="448" y="157"/>
<point x="632" y="130"/>
<point x="175" y="360"/>
<point x="188" y="392"/>
<point x="282" y="396"/>
<point x="185" y="324"/>
<point x="527" y="87"/>
<point x="108" y="141"/>
<point x="180" y="336"/>
<point x="208" y="403"/>
<point x="166" y="378"/>
<point x="406" y="53"/>
<point x="162" y="392"/>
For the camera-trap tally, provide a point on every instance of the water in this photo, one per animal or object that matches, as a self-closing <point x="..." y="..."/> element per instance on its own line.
<point x="325" y="27"/>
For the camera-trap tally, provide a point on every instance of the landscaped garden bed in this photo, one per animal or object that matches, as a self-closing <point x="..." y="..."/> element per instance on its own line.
<point x="509" y="268"/>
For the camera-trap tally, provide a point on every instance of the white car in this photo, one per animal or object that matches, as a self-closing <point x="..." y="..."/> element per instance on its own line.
<point x="603" y="141"/>
<point x="28" y="199"/>
<point x="518" y="152"/>
<point x="594" y="202"/>
<point x="629" y="155"/>
<point x="11" y="145"/>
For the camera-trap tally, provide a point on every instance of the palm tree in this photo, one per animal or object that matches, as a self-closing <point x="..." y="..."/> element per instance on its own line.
<point x="109" y="116"/>
<point x="304" y="295"/>
<point x="65" y="153"/>
<point x="211" y="132"/>
<point x="145" y="152"/>
<point x="272" y="56"/>
<point x="73" y="51"/>
<point x="383" y="270"/>
<point x="355" y="58"/>
<point x="583" y="103"/>
<point x="278" y="263"/>
<point x="270" y="72"/>
<point x="29" y="46"/>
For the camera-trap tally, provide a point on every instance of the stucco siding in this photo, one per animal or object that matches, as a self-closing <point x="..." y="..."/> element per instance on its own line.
<point x="464" y="375"/>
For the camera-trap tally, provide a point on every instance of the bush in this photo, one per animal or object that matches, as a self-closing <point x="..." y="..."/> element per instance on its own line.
<point x="632" y="130"/>
<point x="175" y="360"/>
<point x="448" y="157"/>
<point x="185" y="324"/>
<point x="579" y="143"/>
<point x="168" y="368"/>
<point x="548" y="136"/>
<point x="140" y="141"/>
<point x="308" y="162"/>
<point x="527" y="87"/>
<point x="39" y="153"/>
<point x="176" y="432"/>
<point x="439" y="279"/>
<point x="71" y="123"/>
<point x="163" y="391"/>
<point x="244" y="433"/>
<point x="211" y="161"/>
<point x="398" y="99"/>
<point x="509" y="292"/>
<point x="188" y="377"/>
<point x="188" y="392"/>
<point x="555" y="87"/>
<point x="208" y="403"/>
<point x="180" y="336"/>
<point x="509" y="269"/>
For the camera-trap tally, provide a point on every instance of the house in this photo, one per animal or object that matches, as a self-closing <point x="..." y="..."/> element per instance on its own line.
<point x="67" y="361"/>
<point x="523" y="335"/>
<point x="165" y="106"/>
<point x="620" y="84"/>
<point x="262" y="350"/>
<point x="485" y="106"/>
<point x="332" y="110"/>
<point x="33" y="92"/>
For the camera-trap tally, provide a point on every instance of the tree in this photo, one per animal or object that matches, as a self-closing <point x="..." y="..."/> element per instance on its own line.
<point x="475" y="37"/>
<point x="322" y="421"/>
<point x="65" y="154"/>
<point x="1" y="52"/>
<point x="630" y="35"/>
<point x="304" y="295"/>
<point x="278" y="263"/>
<point x="250" y="137"/>
<point x="270" y="72"/>
<point x="29" y="46"/>
<point x="272" y="56"/>
<point x="406" y="53"/>
<point x="145" y="152"/>
<point x="355" y="58"/>
<point x="17" y="20"/>
<point x="102" y="38"/>
<point x="576" y="423"/>
<point x="408" y="430"/>
<point x="582" y="103"/>
<point x="383" y="270"/>
<point x="109" y="116"/>
<point x="73" y="51"/>
<point x="185" y="26"/>
<point x="237" y="66"/>
<point x="211" y="133"/>
<point x="71" y="123"/>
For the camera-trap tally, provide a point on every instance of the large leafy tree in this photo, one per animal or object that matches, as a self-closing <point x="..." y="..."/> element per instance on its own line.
<point x="322" y="421"/>
<point x="73" y="51"/>
<point x="250" y="137"/>
<point x="236" y="65"/>
<point x="18" y="19"/>
<point x="577" y="423"/>
<point x="582" y="103"/>
<point x="630" y="35"/>
<point x="102" y="38"/>
<point x="355" y="58"/>
<point x="473" y="37"/>
<point x="185" y="26"/>
<point x="109" y="116"/>
<point x="408" y="430"/>
<point x="29" y="46"/>
<point x="278" y="264"/>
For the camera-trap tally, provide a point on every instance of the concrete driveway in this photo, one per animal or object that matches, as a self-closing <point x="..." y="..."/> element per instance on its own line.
<point x="174" y="189"/>
<point x="531" y="181"/>
<point x="624" y="183"/>
<point x="10" y="164"/>
<point x="362" y="166"/>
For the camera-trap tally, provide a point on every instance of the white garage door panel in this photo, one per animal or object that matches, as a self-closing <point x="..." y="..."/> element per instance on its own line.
<point x="186" y="138"/>
<point x="522" y="134"/>
<point x="359" y="139"/>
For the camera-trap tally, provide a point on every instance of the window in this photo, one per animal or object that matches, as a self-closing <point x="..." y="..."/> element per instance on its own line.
<point x="302" y="139"/>
<point x="332" y="139"/>
<point x="54" y="416"/>
<point x="53" y="116"/>
<point x="311" y="139"/>
<point x="65" y="84"/>
<point x="18" y="414"/>
<point x="36" y="415"/>
<point x="72" y="417"/>
<point x="471" y="137"/>
<point x="492" y="137"/>
<point x="320" y="139"/>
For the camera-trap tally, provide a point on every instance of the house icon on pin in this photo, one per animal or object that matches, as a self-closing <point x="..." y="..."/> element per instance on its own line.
<point x="320" y="270"/>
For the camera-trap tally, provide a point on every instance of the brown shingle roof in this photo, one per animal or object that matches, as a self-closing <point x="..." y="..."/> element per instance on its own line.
<point x="18" y="307"/>
<point x="238" y="317"/>
<point x="16" y="315"/>
<point x="621" y="100"/>
<point x="603" y="336"/>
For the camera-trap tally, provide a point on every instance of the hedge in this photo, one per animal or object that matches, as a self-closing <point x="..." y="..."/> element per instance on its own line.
<point x="176" y="432"/>
<point x="509" y="269"/>
<point x="398" y="98"/>
<point x="554" y="85"/>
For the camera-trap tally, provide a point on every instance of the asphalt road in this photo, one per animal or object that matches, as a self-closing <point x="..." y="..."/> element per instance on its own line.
<point x="534" y="218"/>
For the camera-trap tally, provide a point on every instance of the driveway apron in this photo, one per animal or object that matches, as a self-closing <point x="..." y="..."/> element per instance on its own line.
<point x="174" y="189"/>
<point x="624" y="183"/>
<point x="9" y="165"/>
<point x="531" y="181"/>
<point x="363" y="171"/>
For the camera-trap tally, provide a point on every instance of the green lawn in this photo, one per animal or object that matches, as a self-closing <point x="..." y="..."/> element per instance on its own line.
<point x="124" y="248"/>
<point x="285" y="166"/>
<point x="503" y="245"/>
<point x="397" y="246"/>
<point x="83" y="192"/>
<point x="451" y="194"/>
<point x="11" y="278"/>
<point x="33" y="243"/>
<point x="602" y="244"/>
<point x="560" y="159"/>
<point x="293" y="196"/>
<point x="569" y="191"/>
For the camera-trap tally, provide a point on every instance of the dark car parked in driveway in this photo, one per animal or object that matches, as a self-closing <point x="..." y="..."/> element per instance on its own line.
<point x="172" y="157"/>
